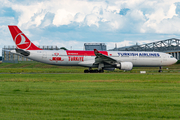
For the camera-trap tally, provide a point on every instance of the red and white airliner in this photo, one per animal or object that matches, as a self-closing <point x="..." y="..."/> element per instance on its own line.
<point x="102" y="60"/>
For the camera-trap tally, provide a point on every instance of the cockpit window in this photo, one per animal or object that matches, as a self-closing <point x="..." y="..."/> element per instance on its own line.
<point x="171" y="57"/>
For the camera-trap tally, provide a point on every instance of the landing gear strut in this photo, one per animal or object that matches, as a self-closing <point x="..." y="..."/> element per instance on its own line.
<point x="100" y="69"/>
<point x="160" y="69"/>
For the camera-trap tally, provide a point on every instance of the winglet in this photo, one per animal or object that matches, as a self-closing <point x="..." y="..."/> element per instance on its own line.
<point x="96" y="51"/>
<point x="20" y="39"/>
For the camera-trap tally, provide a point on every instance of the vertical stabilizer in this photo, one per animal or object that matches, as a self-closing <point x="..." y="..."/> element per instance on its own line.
<point x="21" y="41"/>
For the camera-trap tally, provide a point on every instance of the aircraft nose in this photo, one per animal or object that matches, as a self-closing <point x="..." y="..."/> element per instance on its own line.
<point x="175" y="60"/>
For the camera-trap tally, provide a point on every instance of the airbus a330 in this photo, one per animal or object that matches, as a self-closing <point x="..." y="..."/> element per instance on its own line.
<point x="101" y="60"/>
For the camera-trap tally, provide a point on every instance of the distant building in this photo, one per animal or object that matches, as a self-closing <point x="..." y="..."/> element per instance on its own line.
<point x="92" y="46"/>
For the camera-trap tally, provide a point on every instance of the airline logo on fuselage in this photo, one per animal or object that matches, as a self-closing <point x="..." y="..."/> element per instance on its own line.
<point x="139" y="54"/>
<point x="56" y="59"/>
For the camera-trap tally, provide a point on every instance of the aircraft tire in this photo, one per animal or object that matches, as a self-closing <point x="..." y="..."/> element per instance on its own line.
<point x="86" y="71"/>
<point x="95" y="71"/>
<point x="101" y="71"/>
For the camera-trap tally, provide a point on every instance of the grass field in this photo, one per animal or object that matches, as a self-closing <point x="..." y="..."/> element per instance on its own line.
<point x="36" y="67"/>
<point x="115" y="95"/>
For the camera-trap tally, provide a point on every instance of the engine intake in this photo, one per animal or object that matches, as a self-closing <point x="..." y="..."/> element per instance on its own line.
<point x="124" y="65"/>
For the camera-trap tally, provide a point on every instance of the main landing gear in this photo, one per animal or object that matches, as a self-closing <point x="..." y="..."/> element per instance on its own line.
<point x="160" y="69"/>
<point x="93" y="71"/>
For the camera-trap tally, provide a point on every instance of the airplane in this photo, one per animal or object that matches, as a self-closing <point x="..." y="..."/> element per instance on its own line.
<point x="101" y="60"/>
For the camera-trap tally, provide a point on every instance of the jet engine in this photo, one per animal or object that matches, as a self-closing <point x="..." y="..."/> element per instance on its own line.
<point x="124" y="65"/>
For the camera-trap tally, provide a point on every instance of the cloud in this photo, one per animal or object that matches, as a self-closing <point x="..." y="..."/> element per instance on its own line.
<point x="86" y="13"/>
<point x="67" y="21"/>
<point x="92" y="20"/>
<point x="36" y="43"/>
<point x="162" y="19"/>
<point x="65" y="11"/>
<point x="111" y="45"/>
<point x="62" y="17"/>
<point x="143" y="16"/>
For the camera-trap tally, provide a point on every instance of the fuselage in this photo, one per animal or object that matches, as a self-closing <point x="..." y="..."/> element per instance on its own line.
<point x="103" y="60"/>
<point x="87" y="58"/>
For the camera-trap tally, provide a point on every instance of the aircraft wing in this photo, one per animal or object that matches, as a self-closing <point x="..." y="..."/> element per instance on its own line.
<point x="101" y="58"/>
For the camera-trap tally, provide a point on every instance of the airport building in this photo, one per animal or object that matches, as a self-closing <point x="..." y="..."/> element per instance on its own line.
<point x="92" y="46"/>
<point x="170" y="46"/>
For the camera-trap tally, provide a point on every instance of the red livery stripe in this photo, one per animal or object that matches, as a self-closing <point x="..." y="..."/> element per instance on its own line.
<point x="83" y="53"/>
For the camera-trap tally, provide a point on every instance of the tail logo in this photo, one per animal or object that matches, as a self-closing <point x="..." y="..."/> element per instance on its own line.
<point x="21" y="41"/>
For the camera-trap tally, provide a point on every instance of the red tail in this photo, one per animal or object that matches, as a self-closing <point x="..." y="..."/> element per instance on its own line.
<point x="21" y="41"/>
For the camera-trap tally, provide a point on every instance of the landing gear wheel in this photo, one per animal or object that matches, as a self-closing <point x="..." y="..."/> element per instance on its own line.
<point x="96" y="70"/>
<point x="160" y="69"/>
<point x="101" y="71"/>
<point x="93" y="71"/>
<point x="86" y="71"/>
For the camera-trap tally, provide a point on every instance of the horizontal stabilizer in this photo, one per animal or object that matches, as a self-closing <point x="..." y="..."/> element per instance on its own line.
<point x="23" y="52"/>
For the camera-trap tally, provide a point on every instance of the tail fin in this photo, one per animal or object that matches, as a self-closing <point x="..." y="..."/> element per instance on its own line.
<point x="21" y="41"/>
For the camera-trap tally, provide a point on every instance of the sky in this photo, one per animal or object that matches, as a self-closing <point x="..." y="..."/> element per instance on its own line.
<point x="71" y="23"/>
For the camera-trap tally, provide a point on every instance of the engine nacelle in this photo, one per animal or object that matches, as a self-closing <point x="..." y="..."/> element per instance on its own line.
<point x="125" y="65"/>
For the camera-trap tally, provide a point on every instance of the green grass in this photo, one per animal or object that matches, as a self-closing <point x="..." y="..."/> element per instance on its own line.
<point x="36" y="67"/>
<point x="40" y="91"/>
<point x="90" y="96"/>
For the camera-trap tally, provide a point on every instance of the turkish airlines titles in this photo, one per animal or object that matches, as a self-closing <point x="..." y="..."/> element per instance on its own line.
<point x="73" y="58"/>
<point x="139" y="54"/>
<point x="70" y="59"/>
<point x="76" y="58"/>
